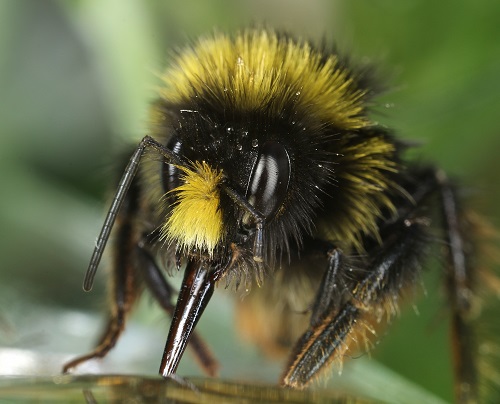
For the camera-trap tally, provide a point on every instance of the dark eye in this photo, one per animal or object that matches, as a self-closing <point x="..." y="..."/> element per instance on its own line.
<point x="170" y="174"/>
<point x="269" y="180"/>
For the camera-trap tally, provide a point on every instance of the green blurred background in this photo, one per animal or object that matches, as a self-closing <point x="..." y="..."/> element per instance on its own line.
<point x="75" y="81"/>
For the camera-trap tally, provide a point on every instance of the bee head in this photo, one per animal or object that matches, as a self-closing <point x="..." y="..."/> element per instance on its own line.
<point x="221" y="199"/>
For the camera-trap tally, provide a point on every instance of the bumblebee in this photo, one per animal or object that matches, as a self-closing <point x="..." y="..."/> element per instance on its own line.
<point x="264" y="166"/>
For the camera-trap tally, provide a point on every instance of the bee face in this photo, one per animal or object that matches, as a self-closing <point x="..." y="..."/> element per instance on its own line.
<point x="268" y="164"/>
<point x="257" y="161"/>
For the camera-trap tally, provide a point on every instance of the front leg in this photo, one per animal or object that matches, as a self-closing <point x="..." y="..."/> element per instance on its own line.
<point x="333" y="329"/>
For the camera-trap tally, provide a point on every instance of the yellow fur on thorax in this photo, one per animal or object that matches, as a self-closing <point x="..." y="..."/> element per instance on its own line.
<point x="365" y="193"/>
<point x="257" y="69"/>
<point x="196" y="220"/>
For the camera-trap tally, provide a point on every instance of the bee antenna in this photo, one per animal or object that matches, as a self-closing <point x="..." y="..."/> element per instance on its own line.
<point x="123" y="187"/>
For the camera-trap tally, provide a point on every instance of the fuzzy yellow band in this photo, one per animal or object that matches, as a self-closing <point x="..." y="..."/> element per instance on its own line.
<point x="196" y="219"/>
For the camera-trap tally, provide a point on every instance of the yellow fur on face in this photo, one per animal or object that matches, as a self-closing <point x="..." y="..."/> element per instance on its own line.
<point x="196" y="220"/>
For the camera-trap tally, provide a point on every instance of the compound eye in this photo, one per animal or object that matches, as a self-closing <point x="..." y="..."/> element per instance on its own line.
<point x="269" y="180"/>
<point x="170" y="173"/>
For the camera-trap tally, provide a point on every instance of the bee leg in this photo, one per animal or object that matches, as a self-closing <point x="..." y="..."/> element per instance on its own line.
<point x="331" y="287"/>
<point x="460" y="276"/>
<point x="316" y="346"/>
<point x="125" y="287"/>
<point x="331" y="332"/>
<point x="163" y="294"/>
<point x="124" y="293"/>
<point x="460" y="285"/>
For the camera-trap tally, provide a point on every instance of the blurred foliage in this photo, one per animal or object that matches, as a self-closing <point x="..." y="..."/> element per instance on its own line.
<point x="75" y="81"/>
